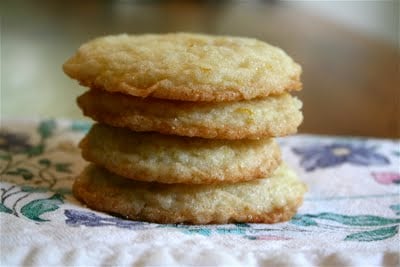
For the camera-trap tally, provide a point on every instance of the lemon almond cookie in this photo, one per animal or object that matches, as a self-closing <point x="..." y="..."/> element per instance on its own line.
<point x="269" y="200"/>
<point x="176" y="159"/>
<point x="183" y="66"/>
<point x="266" y="117"/>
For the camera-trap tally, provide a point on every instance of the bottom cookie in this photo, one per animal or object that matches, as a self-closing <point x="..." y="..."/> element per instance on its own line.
<point x="271" y="200"/>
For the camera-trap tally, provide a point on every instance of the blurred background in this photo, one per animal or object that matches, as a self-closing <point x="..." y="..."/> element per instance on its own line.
<point x="349" y="51"/>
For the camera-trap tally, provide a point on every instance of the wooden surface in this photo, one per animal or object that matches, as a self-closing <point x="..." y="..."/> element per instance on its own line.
<point x="351" y="80"/>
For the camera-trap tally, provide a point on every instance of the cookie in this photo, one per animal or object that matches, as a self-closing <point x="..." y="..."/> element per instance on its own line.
<point x="176" y="159"/>
<point x="252" y="119"/>
<point x="270" y="200"/>
<point x="182" y="66"/>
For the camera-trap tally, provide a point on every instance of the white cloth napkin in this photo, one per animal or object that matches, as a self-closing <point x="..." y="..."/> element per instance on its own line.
<point x="350" y="216"/>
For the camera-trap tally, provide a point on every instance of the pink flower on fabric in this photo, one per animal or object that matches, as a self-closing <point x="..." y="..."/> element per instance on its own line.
<point x="386" y="177"/>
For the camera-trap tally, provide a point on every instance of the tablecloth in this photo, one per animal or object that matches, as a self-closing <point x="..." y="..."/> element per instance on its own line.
<point x="350" y="215"/>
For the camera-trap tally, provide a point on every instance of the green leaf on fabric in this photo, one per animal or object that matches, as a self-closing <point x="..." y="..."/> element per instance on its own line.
<point x="374" y="235"/>
<point x="46" y="128"/>
<point x="63" y="167"/>
<point x="36" y="150"/>
<point x="358" y="220"/>
<point x="34" y="209"/>
<point x="25" y="173"/>
<point x="45" y="162"/>
<point x="303" y="220"/>
<point x="395" y="208"/>
<point x="30" y="189"/>
<point x="4" y="209"/>
<point x="199" y="231"/>
<point x="80" y="126"/>
<point x="244" y="225"/>
<point x="235" y="231"/>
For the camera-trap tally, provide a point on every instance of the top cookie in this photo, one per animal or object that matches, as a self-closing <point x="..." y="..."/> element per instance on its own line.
<point x="182" y="66"/>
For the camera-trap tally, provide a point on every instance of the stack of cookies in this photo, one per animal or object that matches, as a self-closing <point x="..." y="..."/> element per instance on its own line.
<point x="186" y="127"/>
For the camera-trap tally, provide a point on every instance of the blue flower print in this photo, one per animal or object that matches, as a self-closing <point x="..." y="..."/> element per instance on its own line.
<point x="77" y="218"/>
<point x="325" y="156"/>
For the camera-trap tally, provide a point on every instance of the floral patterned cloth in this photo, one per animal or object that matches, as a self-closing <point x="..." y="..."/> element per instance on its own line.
<point x="350" y="216"/>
